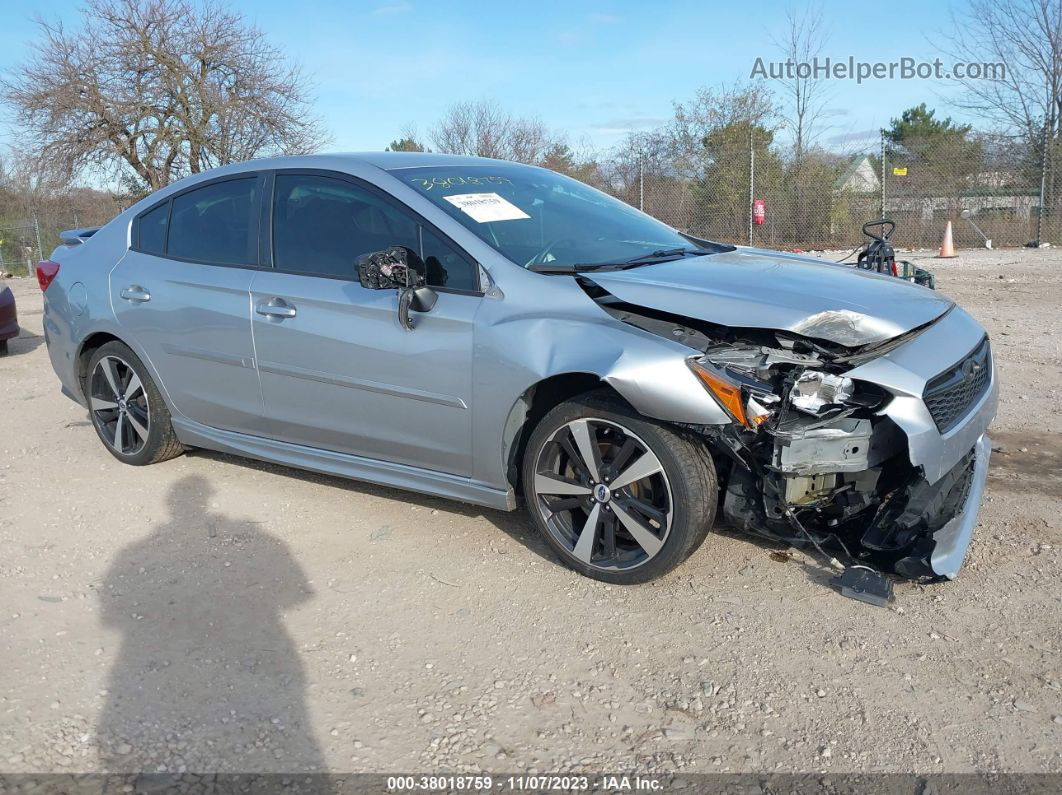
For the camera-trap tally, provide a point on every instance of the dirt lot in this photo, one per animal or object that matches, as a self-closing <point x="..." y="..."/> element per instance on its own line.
<point x="216" y="614"/>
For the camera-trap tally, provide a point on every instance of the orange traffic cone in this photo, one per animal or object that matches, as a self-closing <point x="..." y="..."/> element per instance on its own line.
<point x="947" y="247"/>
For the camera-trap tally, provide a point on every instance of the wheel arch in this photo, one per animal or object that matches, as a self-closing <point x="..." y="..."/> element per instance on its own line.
<point x="89" y="346"/>
<point x="653" y="380"/>
<point x="534" y="403"/>
<point x="100" y="337"/>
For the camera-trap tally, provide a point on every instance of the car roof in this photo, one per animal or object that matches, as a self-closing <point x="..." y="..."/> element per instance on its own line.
<point x="388" y="161"/>
<point x="395" y="160"/>
<point x="384" y="161"/>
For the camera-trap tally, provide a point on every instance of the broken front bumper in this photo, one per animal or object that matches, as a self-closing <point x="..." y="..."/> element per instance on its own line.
<point x="907" y="372"/>
<point x="953" y="539"/>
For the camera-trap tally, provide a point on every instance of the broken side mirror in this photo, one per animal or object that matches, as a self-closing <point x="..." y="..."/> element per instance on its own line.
<point x="398" y="267"/>
<point x="393" y="268"/>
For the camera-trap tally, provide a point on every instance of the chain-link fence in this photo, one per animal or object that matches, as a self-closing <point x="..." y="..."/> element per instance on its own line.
<point x="743" y="188"/>
<point x="752" y="193"/>
<point x="30" y="234"/>
<point x="930" y="181"/>
<point x="20" y="248"/>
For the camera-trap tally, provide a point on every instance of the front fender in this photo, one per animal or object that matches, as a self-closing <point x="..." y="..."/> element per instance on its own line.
<point x="515" y="355"/>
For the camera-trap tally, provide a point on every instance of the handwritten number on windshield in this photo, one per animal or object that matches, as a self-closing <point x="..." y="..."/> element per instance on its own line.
<point x="450" y="182"/>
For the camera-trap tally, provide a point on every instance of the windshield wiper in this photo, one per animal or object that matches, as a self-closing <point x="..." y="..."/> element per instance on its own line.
<point x="579" y="267"/>
<point x="660" y="255"/>
<point x="663" y="253"/>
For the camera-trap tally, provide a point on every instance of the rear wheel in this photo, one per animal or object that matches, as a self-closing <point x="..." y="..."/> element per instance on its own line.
<point x="127" y="410"/>
<point x="620" y="497"/>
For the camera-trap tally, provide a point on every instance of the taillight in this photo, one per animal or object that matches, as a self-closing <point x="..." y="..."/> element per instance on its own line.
<point x="46" y="271"/>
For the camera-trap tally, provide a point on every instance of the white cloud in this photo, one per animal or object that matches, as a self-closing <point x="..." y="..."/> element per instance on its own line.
<point x="391" y="9"/>
<point x="627" y="124"/>
<point x="858" y="137"/>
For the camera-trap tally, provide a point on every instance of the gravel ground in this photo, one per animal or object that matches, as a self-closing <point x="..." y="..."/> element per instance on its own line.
<point x="216" y="614"/>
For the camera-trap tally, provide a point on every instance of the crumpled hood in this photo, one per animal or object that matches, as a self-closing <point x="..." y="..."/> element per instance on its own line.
<point x="756" y="288"/>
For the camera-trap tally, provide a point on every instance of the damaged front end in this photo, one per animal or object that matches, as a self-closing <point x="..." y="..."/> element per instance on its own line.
<point x="813" y="457"/>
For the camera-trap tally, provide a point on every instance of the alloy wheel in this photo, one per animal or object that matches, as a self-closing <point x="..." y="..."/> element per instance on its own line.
<point x="119" y="405"/>
<point x="603" y="494"/>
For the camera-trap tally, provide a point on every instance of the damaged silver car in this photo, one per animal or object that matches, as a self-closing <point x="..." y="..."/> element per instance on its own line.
<point x="487" y="331"/>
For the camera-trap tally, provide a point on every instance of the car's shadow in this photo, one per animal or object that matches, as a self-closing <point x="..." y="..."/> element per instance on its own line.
<point x="516" y="524"/>
<point x="24" y="343"/>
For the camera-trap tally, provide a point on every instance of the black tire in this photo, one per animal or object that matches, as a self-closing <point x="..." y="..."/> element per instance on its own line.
<point x="3" y="347"/>
<point x="161" y="442"/>
<point x="687" y="474"/>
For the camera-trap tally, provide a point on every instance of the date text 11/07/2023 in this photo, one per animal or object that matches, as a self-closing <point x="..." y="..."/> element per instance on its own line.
<point x="529" y="783"/>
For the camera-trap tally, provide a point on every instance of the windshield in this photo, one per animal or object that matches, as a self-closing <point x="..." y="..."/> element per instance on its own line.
<point x="542" y="220"/>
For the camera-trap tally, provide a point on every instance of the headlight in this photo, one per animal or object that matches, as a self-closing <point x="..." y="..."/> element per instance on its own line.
<point x="751" y="401"/>
<point x="744" y="398"/>
<point x="814" y="390"/>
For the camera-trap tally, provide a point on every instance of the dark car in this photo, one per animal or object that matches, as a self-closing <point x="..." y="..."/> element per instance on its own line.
<point x="8" y="318"/>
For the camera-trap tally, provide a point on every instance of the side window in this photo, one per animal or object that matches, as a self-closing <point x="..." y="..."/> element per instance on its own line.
<point x="446" y="268"/>
<point x="152" y="230"/>
<point x="214" y="224"/>
<point x="322" y="225"/>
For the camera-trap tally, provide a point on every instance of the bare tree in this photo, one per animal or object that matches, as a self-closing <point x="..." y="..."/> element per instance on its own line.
<point x="711" y="111"/>
<point x="640" y="171"/>
<point x="639" y="154"/>
<point x="35" y="207"/>
<point x="1026" y="36"/>
<point x="804" y="39"/>
<point x="151" y="90"/>
<point x="485" y="129"/>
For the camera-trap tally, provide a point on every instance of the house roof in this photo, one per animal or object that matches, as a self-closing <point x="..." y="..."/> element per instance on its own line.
<point x="850" y="171"/>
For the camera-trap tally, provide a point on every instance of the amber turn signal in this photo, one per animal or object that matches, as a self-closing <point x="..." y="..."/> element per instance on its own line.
<point x="725" y="391"/>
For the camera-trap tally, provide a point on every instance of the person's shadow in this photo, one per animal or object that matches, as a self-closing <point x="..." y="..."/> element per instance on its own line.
<point x="206" y="679"/>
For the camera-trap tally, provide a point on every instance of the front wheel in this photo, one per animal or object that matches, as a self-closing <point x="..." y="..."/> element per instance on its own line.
<point x="621" y="498"/>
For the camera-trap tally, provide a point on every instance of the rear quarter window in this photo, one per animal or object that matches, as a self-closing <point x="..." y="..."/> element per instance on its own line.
<point x="152" y="230"/>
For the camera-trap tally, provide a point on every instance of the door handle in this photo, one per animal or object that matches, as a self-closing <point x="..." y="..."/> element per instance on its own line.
<point x="134" y="292"/>
<point x="275" y="307"/>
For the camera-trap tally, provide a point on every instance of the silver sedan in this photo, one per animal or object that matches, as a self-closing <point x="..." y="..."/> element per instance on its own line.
<point x="497" y="333"/>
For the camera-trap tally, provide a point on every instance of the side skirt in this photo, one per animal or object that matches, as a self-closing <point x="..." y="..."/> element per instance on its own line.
<point x="400" y="476"/>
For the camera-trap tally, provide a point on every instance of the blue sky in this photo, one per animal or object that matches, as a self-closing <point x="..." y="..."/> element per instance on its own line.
<point x="592" y="69"/>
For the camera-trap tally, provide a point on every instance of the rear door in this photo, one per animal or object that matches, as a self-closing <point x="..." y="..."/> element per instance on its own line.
<point x="338" y="372"/>
<point x="183" y="295"/>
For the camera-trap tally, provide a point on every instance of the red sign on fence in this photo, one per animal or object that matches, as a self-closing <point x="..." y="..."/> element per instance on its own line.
<point x="759" y="211"/>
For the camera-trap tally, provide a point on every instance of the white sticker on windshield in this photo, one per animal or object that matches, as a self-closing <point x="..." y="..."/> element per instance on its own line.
<point x="486" y="207"/>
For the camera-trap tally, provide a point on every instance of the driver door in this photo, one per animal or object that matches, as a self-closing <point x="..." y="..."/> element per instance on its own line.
<point x="337" y="370"/>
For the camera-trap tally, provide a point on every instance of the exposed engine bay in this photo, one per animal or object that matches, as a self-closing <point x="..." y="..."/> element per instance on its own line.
<point x="810" y="459"/>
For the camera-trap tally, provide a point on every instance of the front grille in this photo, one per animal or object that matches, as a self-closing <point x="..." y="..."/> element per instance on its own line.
<point x="949" y="395"/>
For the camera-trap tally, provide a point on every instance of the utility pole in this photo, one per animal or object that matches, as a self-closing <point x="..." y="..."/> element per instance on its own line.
<point x="641" y="183"/>
<point x="881" y="198"/>
<point x="37" y="232"/>
<point x="1048" y="124"/>
<point x="752" y="178"/>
